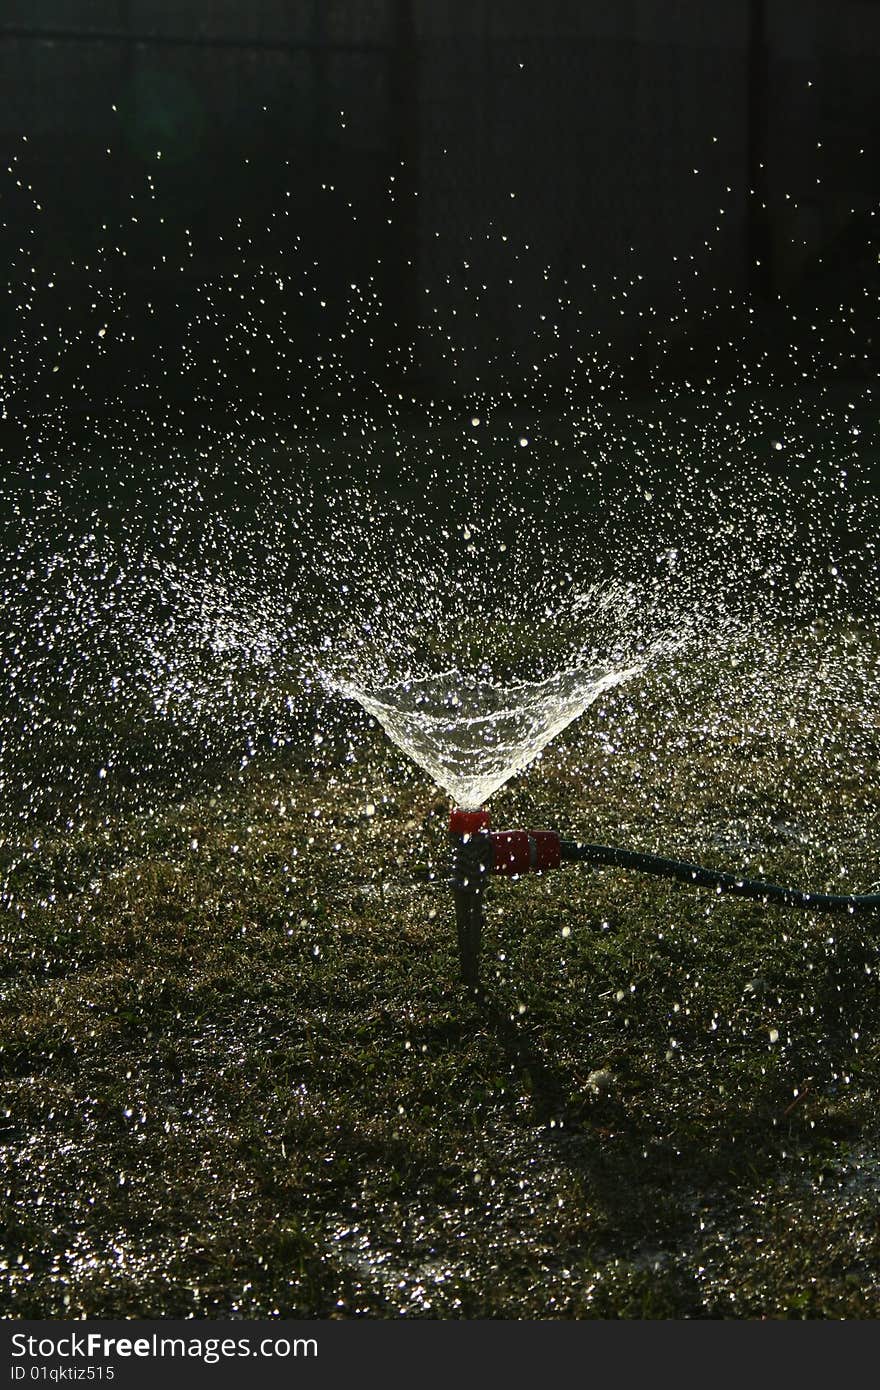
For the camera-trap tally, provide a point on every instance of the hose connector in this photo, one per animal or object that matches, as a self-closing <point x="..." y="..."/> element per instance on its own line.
<point x="507" y="852"/>
<point x="516" y="852"/>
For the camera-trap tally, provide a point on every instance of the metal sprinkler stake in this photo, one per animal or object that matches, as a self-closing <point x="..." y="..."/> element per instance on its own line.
<point x="478" y="852"/>
<point x="471" y="862"/>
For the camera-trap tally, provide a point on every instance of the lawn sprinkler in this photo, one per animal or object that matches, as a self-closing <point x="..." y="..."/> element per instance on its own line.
<point x="478" y="852"/>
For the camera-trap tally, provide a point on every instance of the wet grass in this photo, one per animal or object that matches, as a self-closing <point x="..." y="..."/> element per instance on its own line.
<point x="239" y="1076"/>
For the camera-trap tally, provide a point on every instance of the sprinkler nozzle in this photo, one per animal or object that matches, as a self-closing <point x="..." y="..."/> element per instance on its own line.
<point x="468" y="822"/>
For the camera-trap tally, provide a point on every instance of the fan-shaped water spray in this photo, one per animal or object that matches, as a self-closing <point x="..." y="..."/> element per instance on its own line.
<point x="191" y="583"/>
<point x="472" y="737"/>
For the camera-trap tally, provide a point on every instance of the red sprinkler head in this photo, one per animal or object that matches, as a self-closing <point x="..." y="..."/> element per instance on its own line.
<point x="468" y="822"/>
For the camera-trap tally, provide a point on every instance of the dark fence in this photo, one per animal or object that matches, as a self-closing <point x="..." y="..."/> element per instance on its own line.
<point x="580" y="160"/>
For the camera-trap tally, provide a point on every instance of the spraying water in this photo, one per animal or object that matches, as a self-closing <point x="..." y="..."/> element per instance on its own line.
<point x="472" y="737"/>
<point x="190" y="579"/>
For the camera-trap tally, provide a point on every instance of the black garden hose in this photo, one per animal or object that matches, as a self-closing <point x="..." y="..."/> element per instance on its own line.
<point x="701" y="877"/>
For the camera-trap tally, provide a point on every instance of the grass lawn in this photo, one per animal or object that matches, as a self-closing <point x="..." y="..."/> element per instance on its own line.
<point x="239" y="1077"/>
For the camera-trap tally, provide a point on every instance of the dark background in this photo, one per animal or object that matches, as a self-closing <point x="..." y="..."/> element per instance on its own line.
<point x="376" y="144"/>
